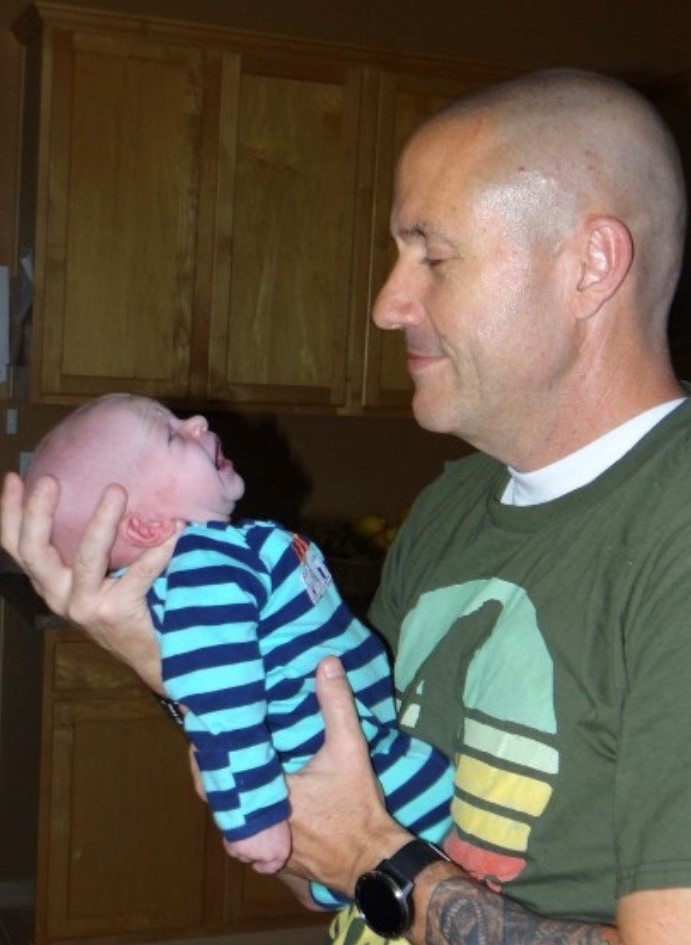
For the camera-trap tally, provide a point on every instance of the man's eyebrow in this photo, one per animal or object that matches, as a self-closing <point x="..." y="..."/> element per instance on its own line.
<point x="417" y="231"/>
<point x="423" y="231"/>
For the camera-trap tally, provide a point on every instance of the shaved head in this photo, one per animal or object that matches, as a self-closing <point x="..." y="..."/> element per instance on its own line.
<point x="560" y="145"/>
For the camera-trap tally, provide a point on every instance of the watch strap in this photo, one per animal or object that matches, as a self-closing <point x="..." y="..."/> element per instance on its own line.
<point x="413" y="857"/>
<point x="384" y="895"/>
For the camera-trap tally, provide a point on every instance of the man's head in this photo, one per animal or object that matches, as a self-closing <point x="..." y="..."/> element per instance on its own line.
<point x="172" y="470"/>
<point x="540" y="228"/>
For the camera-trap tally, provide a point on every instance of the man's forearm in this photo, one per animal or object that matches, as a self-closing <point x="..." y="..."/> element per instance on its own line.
<point x="459" y="911"/>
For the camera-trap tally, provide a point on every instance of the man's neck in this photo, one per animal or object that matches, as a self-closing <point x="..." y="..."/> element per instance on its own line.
<point x="578" y="422"/>
<point x="585" y="464"/>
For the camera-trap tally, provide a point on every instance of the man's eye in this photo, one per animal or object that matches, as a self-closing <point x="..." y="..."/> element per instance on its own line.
<point x="433" y="262"/>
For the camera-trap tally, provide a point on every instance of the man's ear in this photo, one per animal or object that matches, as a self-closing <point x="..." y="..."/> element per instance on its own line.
<point x="146" y="533"/>
<point x="606" y="257"/>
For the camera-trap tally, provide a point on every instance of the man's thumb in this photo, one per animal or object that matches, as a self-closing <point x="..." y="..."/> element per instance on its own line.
<point x="336" y="703"/>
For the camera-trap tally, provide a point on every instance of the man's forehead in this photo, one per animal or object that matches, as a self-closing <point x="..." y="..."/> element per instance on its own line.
<point x="461" y="133"/>
<point x="432" y="188"/>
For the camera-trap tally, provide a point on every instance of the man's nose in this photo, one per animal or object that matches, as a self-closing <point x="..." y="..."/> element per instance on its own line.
<point x="397" y="306"/>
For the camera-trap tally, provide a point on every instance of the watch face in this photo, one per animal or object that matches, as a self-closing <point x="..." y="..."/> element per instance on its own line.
<point x="383" y="904"/>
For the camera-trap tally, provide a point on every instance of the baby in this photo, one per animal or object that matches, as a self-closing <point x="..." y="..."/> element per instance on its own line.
<point x="243" y="614"/>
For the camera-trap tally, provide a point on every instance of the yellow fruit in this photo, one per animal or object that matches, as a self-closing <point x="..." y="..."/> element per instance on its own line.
<point x="379" y="540"/>
<point x="368" y="525"/>
<point x="383" y="539"/>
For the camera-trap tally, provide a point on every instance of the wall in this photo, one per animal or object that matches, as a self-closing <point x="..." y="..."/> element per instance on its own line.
<point x="631" y="36"/>
<point x="345" y="466"/>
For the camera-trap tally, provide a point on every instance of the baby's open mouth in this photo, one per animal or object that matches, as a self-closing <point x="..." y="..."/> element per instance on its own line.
<point x="219" y="459"/>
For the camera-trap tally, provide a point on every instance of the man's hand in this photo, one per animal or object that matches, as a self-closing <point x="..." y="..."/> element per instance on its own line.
<point x="112" y="612"/>
<point x="339" y="824"/>
<point x="300" y="888"/>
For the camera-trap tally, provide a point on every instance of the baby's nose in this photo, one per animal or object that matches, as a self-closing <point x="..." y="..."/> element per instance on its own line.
<point x="195" y="426"/>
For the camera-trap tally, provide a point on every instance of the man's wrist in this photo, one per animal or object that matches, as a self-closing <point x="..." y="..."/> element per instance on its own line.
<point x="385" y="895"/>
<point x="380" y="846"/>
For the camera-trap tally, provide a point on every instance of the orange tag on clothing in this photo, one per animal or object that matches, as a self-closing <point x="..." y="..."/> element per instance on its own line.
<point x="315" y="575"/>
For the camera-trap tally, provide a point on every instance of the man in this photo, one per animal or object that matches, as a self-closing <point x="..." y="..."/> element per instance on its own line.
<point x="537" y="598"/>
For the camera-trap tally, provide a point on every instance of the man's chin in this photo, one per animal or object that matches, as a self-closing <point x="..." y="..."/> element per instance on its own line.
<point x="429" y="413"/>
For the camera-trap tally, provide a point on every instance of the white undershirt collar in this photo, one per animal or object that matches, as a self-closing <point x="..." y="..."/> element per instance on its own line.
<point x="585" y="464"/>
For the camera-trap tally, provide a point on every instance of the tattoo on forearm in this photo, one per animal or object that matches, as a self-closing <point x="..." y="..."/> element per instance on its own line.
<point x="463" y="913"/>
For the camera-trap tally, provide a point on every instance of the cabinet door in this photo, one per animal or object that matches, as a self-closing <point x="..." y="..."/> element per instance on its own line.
<point x="123" y="849"/>
<point x="127" y="851"/>
<point x="253" y="901"/>
<point x="405" y="101"/>
<point x="126" y="831"/>
<point x="288" y="195"/>
<point x="20" y="725"/>
<point x="127" y="132"/>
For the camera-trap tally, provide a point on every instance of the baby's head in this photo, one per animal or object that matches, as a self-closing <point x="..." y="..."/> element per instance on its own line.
<point x="172" y="469"/>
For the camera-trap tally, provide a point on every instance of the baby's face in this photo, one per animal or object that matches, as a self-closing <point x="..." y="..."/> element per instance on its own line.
<point x="180" y="470"/>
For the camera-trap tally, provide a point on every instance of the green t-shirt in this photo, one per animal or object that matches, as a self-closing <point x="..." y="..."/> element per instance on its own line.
<point x="548" y="649"/>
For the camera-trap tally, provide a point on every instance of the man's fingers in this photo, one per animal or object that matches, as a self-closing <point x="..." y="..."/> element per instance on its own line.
<point x="91" y="560"/>
<point x="335" y="798"/>
<point x="37" y="522"/>
<point x="141" y="574"/>
<point x="335" y="697"/>
<point x="11" y="510"/>
<point x="32" y="535"/>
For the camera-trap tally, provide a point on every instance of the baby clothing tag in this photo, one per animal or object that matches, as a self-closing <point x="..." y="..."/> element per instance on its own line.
<point x="315" y="575"/>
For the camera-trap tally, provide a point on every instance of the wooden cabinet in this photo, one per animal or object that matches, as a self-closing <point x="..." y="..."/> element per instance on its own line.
<point x="198" y="212"/>
<point x="119" y="846"/>
<point x="279" y="328"/>
<point x="210" y="217"/>
<point x="123" y="188"/>
<point x="20" y="722"/>
<point x="123" y="837"/>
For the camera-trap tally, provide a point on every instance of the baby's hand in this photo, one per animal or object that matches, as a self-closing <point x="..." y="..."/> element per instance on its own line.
<point x="266" y="852"/>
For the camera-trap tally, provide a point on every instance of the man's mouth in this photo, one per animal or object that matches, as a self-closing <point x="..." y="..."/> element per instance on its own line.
<point x="418" y="360"/>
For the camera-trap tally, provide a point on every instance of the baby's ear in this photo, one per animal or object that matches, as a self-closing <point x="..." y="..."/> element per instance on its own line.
<point x="146" y="533"/>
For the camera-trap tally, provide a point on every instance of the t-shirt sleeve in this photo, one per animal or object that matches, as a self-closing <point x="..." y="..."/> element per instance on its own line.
<point x="653" y="791"/>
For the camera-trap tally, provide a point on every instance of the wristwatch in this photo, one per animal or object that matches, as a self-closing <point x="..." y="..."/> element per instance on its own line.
<point x="384" y="895"/>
